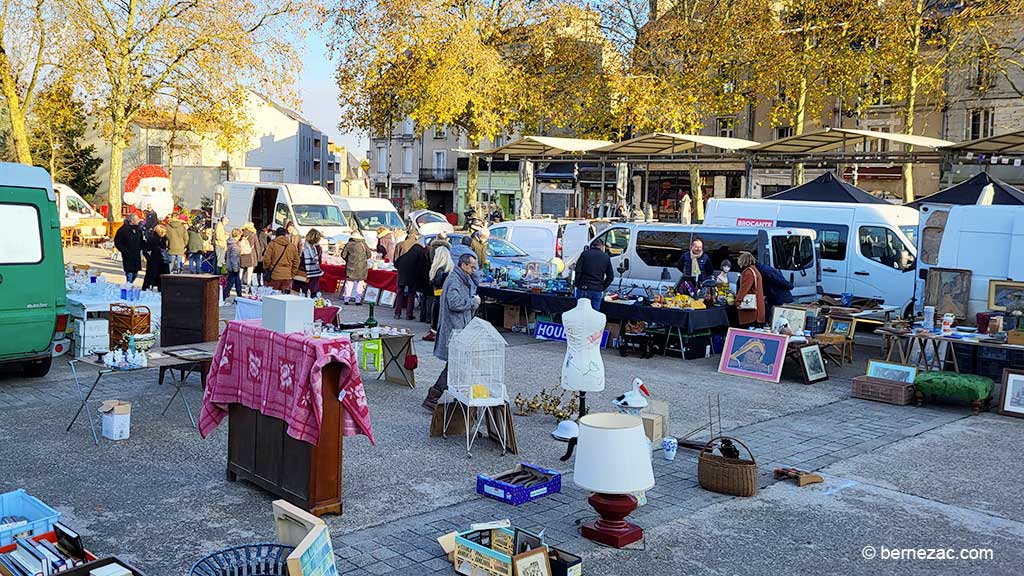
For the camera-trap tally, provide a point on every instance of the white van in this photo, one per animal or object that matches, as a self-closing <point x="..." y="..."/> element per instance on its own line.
<point x="71" y="207"/>
<point x="642" y="253"/>
<point x="368" y="214"/>
<point x="987" y="240"/>
<point x="545" y="239"/>
<point x="869" y="250"/>
<point x="275" y="203"/>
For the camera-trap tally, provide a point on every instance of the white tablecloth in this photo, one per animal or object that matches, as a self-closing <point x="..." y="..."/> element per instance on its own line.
<point x="248" y="309"/>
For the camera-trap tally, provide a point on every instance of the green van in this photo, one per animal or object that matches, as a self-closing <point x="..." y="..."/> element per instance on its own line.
<point x="33" y="315"/>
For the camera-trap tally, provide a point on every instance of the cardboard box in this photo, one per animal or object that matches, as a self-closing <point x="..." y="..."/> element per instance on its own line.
<point x="513" y="316"/>
<point x="286" y="313"/>
<point x="117" y="419"/>
<point x="1015" y="337"/>
<point x="654" y="428"/>
<point x="515" y="494"/>
<point x="659" y="407"/>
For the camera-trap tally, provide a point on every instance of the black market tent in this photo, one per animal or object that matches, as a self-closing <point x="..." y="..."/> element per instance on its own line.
<point x="968" y="191"/>
<point x="827" y="188"/>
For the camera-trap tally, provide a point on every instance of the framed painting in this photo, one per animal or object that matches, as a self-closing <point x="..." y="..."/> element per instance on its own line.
<point x="892" y="371"/>
<point x="948" y="290"/>
<point x="752" y="354"/>
<point x="371" y="295"/>
<point x="795" y="317"/>
<point x="532" y="563"/>
<point x="387" y="298"/>
<point x="840" y="327"/>
<point x="1011" y="402"/>
<point x="813" y="364"/>
<point x="1002" y="293"/>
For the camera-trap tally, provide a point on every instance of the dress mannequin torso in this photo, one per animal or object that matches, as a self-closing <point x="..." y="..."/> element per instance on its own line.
<point x="583" y="368"/>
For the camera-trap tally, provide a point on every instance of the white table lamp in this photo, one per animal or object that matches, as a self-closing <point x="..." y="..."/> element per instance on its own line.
<point x="613" y="461"/>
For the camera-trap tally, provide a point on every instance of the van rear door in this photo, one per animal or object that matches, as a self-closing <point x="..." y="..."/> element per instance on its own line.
<point x="31" y="271"/>
<point x="791" y="251"/>
<point x="575" y="236"/>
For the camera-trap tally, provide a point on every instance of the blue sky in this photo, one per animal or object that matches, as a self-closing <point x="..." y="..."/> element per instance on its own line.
<point x="320" y="95"/>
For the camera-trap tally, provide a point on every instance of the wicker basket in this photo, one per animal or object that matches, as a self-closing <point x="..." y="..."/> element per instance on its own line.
<point x="726" y="475"/>
<point x="127" y="320"/>
<point x="882" y="390"/>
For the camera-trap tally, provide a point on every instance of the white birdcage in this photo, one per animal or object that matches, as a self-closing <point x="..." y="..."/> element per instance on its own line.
<point x="476" y="356"/>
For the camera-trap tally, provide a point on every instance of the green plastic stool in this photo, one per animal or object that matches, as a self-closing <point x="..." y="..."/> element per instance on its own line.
<point x="374" y="350"/>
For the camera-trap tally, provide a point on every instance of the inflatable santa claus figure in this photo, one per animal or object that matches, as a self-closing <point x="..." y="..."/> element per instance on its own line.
<point x="149" y="186"/>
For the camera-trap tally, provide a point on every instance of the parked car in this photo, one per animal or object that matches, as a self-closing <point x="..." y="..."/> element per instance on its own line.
<point x="429" y="222"/>
<point x="642" y="252"/>
<point x="868" y="250"/>
<point x="33" y="314"/>
<point x="544" y="239"/>
<point x="500" y="252"/>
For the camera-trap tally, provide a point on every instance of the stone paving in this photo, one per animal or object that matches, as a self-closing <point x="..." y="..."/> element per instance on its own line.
<point x="810" y="440"/>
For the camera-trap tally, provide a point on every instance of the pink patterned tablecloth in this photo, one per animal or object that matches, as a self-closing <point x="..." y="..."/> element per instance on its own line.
<point x="279" y="375"/>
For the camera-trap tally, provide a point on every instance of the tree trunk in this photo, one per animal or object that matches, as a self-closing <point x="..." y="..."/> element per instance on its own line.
<point x="910" y="105"/>
<point x="698" y="193"/>
<point x="801" y="106"/>
<point x="19" y="132"/>
<point x="473" y="174"/>
<point x="114" y="188"/>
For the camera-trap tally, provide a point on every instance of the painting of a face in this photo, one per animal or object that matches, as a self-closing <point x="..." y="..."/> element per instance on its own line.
<point x="155" y="192"/>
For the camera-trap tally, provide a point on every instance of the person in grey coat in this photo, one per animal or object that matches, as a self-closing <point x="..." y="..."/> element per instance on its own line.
<point x="458" y="304"/>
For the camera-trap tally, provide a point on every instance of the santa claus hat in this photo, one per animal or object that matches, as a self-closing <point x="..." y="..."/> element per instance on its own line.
<point x="144" y="171"/>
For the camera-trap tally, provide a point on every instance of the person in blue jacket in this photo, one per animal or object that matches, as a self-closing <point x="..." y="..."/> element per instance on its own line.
<point x="776" y="287"/>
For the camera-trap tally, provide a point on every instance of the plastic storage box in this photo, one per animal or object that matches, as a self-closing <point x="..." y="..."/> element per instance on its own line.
<point x="18" y="503"/>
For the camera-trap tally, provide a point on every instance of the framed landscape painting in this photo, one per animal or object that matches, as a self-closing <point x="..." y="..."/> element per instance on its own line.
<point x="1004" y="292"/>
<point x="753" y="354"/>
<point x="948" y="289"/>
<point x="892" y="371"/>
<point x="840" y="327"/>
<point x="1012" y="401"/>
<point x="796" y="317"/>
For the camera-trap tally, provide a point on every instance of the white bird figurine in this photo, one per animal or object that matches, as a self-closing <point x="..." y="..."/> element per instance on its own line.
<point x="635" y="398"/>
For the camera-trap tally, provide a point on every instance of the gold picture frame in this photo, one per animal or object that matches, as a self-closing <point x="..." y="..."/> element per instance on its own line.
<point x="994" y="297"/>
<point x="532" y="563"/>
<point x="840" y="327"/>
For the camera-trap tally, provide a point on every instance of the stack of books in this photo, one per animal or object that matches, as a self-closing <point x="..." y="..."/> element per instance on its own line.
<point x="43" y="558"/>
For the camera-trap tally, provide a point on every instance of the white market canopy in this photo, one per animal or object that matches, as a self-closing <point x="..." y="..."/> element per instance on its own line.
<point x="528" y="146"/>
<point x="1003" y="143"/>
<point x="667" y="143"/>
<point x="835" y="138"/>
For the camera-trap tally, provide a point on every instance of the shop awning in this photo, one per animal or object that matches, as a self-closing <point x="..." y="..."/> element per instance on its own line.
<point x="968" y="191"/>
<point x="530" y="146"/>
<point x="667" y="143"/>
<point x="827" y="188"/>
<point x="835" y="138"/>
<point x="1004" y="143"/>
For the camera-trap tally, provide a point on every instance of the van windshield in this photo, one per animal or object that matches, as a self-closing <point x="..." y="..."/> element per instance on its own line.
<point x="911" y="233"/>
<point x="373" y="219"/>
<point x="792" y="252"/>
<point x="317" y="215"/>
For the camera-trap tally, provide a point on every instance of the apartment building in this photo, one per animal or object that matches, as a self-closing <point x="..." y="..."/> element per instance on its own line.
<point x="416" y="165"/>
<point x="285" y="141"/>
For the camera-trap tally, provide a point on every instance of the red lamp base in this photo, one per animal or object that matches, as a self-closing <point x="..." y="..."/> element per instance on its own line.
<point x="612" y="529"/>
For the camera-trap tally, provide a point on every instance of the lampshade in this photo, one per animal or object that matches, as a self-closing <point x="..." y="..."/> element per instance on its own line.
<point x="612" y="455"/>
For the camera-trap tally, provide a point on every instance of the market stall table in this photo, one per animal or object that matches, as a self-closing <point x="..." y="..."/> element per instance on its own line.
<point x="165" y="360"/>
<point x="925" y="349"/>
<point x="285" y="428"/>
<point x="334" y="278"/>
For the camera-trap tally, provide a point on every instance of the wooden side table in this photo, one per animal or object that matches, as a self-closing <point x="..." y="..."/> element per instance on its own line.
<point x="835" y="346"/>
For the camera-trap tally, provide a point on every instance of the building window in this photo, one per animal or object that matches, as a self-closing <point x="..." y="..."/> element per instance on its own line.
<point x="155" y="155"/>
<point x="499" y="141"/>
<point x="440" y="162"/>
<point x="783" y="132"/>
<point x="382" y="159"/>
<point x="878" y="145"/>
<point x="725" y="127"/>
<point x="440" y="132"/>
<point x="984" y="73"/>
<point x="407" y="159"/>
<point x="980" y="124"/>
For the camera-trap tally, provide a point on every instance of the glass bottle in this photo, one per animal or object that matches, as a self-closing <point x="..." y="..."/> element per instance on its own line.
<point x="371" y="322"/>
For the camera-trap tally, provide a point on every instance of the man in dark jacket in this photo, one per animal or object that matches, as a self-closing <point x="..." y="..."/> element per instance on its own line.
<point x="128" y="242"/>
<point x="776" y="287"/>
<point x="695" y="256"/>
<point x="594" y="274"/>
<point x="413" y="268"/>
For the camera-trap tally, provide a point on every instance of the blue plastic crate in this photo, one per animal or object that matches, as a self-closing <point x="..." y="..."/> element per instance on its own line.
<point x="18" y="503"/>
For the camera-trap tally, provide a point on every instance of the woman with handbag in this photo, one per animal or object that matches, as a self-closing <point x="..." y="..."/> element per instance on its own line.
<point x="750" y="306"/>
<point x="280" y="262"/>
<point x="311" y="253"/>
